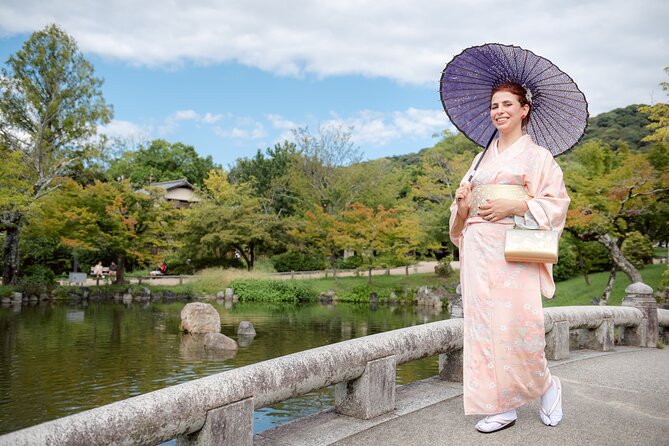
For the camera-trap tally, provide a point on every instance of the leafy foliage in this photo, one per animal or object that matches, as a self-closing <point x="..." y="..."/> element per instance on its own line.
<point x="622" y="126"/>
<point x="638" y="249"/>
<point x="161" y="161"/>
<point x="50" y="104"/>
<point x="271" y="291"/>
<point x="297" y="261"/>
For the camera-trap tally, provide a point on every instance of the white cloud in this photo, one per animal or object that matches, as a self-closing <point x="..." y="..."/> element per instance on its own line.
<point x="125" y="130"/>
<point x="255" y="131"/>
<point x="377" y="128"/>
<point x="185" y="115"/>
<point x="614" y="49"/>
<point x="279" y="122"/>
<point x="210" y="118"/>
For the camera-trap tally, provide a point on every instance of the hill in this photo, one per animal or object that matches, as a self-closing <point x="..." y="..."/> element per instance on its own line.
<point x="621" y="124"/>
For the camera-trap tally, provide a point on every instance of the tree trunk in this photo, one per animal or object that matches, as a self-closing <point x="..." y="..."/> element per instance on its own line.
<point x="609" y="287"/>
<point x="10" y="249"/>
<point x="369" y="275"/>
<point x="619" y="259"/>
<point x="120" y="269"/>
<point x="582" y="266"/>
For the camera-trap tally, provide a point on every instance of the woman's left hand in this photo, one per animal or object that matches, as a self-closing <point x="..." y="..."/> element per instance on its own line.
<point x="500" y="208"/>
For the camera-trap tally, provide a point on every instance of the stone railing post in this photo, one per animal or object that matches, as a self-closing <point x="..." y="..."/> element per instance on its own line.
<point x="450" y="366"/>
<point x="639" y="295"/>
<point x="230" y="425"/>
<point x="557" y="341"/>
<point x="370" y="395"/>
<point x="602" y="337"/>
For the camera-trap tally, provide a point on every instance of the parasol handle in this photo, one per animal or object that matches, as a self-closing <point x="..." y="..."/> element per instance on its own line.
<point x="469" y="180"/>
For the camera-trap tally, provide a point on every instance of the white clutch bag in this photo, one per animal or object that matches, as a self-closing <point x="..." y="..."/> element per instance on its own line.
<point x="532" y="245"/>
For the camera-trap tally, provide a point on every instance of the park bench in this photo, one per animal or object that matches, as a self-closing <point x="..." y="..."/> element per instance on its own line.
<point x="105" y="271"/>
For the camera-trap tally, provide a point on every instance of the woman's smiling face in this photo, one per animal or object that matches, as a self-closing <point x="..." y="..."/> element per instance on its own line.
<point x="506" y="112"/>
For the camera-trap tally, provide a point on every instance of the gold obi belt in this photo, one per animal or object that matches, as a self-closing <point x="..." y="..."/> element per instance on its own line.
<point x="483" y="192"/>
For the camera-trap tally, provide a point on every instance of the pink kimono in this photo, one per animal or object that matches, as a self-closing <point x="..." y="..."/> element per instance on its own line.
<point x="504" y="363"/>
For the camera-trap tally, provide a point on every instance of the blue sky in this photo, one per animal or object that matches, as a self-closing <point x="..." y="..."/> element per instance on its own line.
<point x="231" y="77"/>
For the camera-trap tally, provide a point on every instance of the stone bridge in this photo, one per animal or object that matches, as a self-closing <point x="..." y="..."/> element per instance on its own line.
<point x="218" y="410"/>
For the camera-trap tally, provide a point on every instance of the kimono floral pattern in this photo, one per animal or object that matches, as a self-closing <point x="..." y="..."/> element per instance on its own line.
<point x="504" y="362"/>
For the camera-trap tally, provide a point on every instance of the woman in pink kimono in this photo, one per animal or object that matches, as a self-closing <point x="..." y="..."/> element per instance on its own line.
<point x="504" y="362"/>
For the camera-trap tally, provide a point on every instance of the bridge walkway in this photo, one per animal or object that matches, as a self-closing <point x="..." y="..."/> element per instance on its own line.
<point x="619" y="397"/>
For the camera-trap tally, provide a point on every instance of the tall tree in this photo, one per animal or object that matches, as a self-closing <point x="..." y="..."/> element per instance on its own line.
<point x="267" y="174"/>
<point x="161" y="161"/>
<point x="318" y="175"/>
<point x="50" y="105"/>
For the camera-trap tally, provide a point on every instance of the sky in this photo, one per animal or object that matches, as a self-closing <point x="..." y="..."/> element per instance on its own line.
<point x="232" y="77"/>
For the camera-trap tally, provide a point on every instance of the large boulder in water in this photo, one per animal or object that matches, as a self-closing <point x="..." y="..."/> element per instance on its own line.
<point x="200" y="317"/>
<point x="219" y="341"/>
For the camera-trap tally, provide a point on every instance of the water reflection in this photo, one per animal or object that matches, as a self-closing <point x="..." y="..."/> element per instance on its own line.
<point x="60" y="359"/>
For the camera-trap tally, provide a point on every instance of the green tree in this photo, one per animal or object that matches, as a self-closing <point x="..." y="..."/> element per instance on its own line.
<point x="229" y="222"/>
<point x="659" y="115"/>
<point x="267" y="174"/>
<point x="50" y="105"/>
<point x="161" y="161"/>
<point x="317" y="176"/>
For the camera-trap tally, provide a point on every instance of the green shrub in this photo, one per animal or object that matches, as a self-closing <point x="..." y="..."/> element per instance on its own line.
<point x="362" y="293"/>
<point x="297" y="261"/>
<point x="37" y="280"/>
<point x="271" y="290"/>
<point x="6" y="291"/>
<point x="567" y="266"/>
<point x="637" y="249"/>
<point x="665" y="278"/>
<point x="352" y="262"/>
<point x="443" y="268"/>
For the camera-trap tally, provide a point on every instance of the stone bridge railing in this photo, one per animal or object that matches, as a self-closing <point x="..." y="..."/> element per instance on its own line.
<point x="218" y="410"/>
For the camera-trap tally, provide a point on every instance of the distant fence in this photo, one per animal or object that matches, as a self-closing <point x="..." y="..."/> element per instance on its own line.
<point x="218" y="410"/>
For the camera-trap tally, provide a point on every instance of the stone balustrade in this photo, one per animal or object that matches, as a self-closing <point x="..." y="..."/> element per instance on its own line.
<point x="663" y="324"/>
<point x="219" y="409"/>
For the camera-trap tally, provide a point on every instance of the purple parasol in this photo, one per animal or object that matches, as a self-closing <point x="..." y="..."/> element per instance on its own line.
<point x="559" y="109"/>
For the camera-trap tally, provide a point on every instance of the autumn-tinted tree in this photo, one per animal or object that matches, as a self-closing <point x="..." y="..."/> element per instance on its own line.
<point x="609" y="191"/>
<point x="50" y="104"/>
<point x="316" y="233"/>
<point x="371" y="233"/>
<point x="108" y="220"/>
<point x="436" y="177"/>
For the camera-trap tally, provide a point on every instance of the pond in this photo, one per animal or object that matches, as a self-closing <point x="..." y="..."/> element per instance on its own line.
<point x="57" y="359"/>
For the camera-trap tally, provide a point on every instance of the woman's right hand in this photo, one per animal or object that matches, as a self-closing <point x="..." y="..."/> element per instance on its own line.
<point x="463" y="198"/>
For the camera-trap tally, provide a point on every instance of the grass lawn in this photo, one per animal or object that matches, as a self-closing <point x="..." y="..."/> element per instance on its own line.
<point x="575" y="291"/>
<point x="570" y="292"/>
<point x="391" y="283"/>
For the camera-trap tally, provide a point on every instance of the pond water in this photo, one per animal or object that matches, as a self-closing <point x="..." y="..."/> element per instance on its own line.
<point x="57" y="359"/>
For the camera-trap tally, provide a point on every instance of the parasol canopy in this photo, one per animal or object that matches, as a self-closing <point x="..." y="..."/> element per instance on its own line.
<point x="559" y="109"/>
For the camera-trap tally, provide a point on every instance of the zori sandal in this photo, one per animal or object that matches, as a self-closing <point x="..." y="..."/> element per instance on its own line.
<point x="493" y="423"/>
<point x="553" y="415"/>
